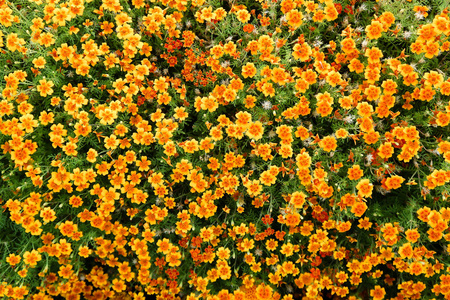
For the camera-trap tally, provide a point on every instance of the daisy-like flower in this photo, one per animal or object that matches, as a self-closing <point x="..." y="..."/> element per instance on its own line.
<point x="419" y="15"/>
<point x="271" y="134"/>
<point x="307" y="142"/>
<point x="267" y="105"/>
<point x="364" y="43"/>
<point x="317" y="42"/>
<point x="349" y="119"/>
<point x="363" y="7"/>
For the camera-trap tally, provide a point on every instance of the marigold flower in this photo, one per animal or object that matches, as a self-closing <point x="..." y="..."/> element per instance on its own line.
<point x="328" y="143"/>
<point x="394" y="182"/>
<point x="255" y="130"/>
<point x="302" y="52"/>
<point x="344" y="226"/>
<point x="355" y="172"/>
<point x="294" y="18"/>
<point x="341" y="133"/>
<point x="243" y="16"/>
<point x="31" y="258"/>
<point x="377" y="293"/>
<point x="374" y="30"/>
<point x="364" y="188"/>
<point x="412" y="235"/>
<point x="13" y="259"/>
<point x="45" y="87"/>
<point x="385" y="150"/>
<point x="371" y="137"/>
<point x="359" y="209"/>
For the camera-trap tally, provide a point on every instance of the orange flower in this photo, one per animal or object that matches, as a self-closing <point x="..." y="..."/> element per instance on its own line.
<point x="31" y="258"/>
<point x="294" y="18"/>
<point x="84" y="251"/>
<point x="13" y="259"/>
<point x="65" y="271"/>
<point x="412" y="235"/>
<point x="68" y="228"/>
<point x="279" y="76"/>
<point x="355" y="172"/>
<point x="20" y="156"/>
<point x="328" y="143"/>
<point x="364" y="223"/>
<point x="374" y="30"/>
<point x="39" y="62"/>
<point x="389" y="231"/>
<point x="416" y="268"/>
<point x="75" y="201"/>
<point x="385" y="150"/>
<point x="356" y="66"/>
<point x="48" y="215"/>
<point x="406" y="251"/>
<point x="377" y="293"/>
<point x="341" y="133"/>
<point x="364" y="108"/>
<point x="45" y="87"/>
<point x="298" y="199"/>
<point x="334" y="78"/>
<point x="302" y="52"/>
<point x="324" y="108"/>
<point x="371" y="137"/>
<point x="243" y="16"/>
<point x="434" y="235"/>
<point x="431" y="49"/>
<point x="267" y="178"/>
<point x="443" y="119"/>
<point x="387" y="18"/>
<point x="264" y="292"/>
<point x="394" y="182"/>
<point x="359" y="209"/>
<point x="426" y="93"/>
<point x="249" y="70"/>
<point x="348" y="44"/>
<point x="302" y="132"/>
<point x="374" y="54"/>
<point x="253" y="187"/>
<point x="344" y="226"/>
<point x="255" y="130"/>
<point x="319" y="16"/>
<point x="364" y="188"/>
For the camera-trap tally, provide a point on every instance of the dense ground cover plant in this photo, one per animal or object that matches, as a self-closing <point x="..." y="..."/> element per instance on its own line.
<point x="224" y="149"/>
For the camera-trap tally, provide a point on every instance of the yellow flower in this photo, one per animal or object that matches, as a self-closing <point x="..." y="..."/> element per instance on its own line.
<point x="45" y="87"/>
<point x="31" y="258"/>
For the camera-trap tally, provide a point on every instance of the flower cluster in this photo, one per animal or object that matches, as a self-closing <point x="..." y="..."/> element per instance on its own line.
<point x="224" y="150"/>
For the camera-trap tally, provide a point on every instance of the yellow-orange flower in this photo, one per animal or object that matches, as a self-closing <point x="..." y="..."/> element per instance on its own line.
<point x="364" y="188"/>
<point x="374" y="30"/>
<point x="394" y="182"/>
<point x="377" y="293"/>
<point x="45" y="87"/>
<point x="328" y="143"/>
